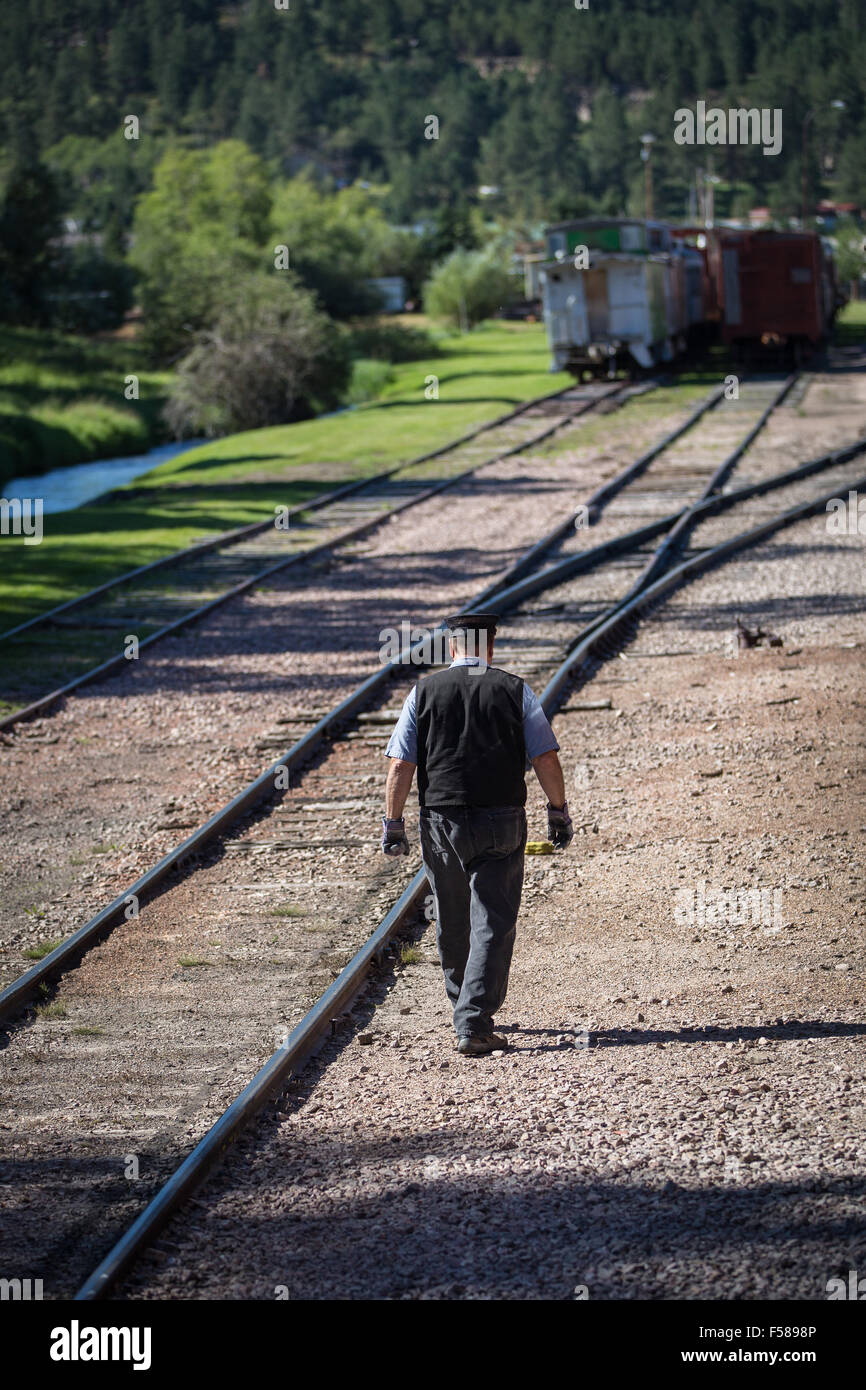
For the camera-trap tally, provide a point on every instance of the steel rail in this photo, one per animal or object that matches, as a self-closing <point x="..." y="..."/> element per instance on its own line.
<point x="288" y="1058"/>
<point x="603" y="494"/>
<point x="304" y="1037"/>
<point x="602" y="640"/>
<point x="16" y="995"/>
<point x="253" y="528"/>
<point x="506" y="595"/>
<point x="121" y="661"/>
<point x="662" y="558"/>
<point x="678" y="533"/>
<point x="632" y="540"/>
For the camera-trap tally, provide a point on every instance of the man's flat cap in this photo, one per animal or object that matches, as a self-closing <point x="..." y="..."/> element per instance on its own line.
<point x="473" y="622"/>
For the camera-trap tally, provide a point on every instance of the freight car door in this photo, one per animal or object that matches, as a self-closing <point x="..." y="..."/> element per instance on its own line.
<point x="731" y="278"/>
<point x="595" y="287"/>
<point x="629" y="310"/>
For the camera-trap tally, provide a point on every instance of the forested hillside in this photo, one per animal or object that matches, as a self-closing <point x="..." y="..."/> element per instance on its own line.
<point x="536" y="99"/>
<point x="241" y="175"/>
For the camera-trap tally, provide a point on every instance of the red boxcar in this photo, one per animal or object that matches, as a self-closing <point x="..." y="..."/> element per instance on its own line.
<point x="776" y="291"/>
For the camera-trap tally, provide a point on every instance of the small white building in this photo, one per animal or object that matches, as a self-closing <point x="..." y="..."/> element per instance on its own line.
<point x="392" y="290"/>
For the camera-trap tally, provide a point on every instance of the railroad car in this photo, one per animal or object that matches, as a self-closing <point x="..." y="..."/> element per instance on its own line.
<point x="705" y="242"/>
<point x="619" y="293"/>
<point x="777" y="292"/>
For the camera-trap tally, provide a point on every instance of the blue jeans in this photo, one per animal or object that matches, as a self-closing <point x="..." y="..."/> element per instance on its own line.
<point x="474" y="861"/>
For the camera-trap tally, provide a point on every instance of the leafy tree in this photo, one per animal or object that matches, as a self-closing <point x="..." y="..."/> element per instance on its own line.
<point x="126" y="56"/>
<point x="452" y="228"/>
<point x="345" y="88"/>
<point x="850" y="241"/>
<point x="101" y="181"/>
<point x="608" y="146"/>
<point x="92" y="292"/>
<point x="204" y="222"/>
<point x="336" y="240"/>
<point x="29" y="222"/>
<point x="852" y="169"/>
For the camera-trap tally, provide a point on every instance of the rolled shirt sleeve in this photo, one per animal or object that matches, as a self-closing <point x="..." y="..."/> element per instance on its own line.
<point x="537" y="733"/>
<point x="403" y="742"/>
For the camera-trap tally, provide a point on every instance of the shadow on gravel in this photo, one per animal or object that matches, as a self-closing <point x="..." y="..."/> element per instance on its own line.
<point x="65" y="1207"/>
<point x="308" y="1225"/>
<point x="786" y="608"/>
<point x="348" y="624"/>
<point x="642" y="1037"/>
<point x="460" y="1212"/>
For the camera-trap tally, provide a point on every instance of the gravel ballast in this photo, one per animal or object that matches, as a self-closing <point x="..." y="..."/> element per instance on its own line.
<point x="680" y="1115"/>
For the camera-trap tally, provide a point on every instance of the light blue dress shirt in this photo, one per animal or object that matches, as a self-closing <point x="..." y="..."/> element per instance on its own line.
<point x="537" y="733"/>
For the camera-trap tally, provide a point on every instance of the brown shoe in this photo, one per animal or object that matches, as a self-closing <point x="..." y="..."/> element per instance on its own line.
<point x="476" y="1046"/>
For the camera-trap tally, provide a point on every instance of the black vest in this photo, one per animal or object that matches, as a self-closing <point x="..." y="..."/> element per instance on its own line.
<point x="470" y="738"/>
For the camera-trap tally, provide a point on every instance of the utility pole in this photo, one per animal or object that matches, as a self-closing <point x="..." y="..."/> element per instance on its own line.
<point x="838" y="105"/>
<point x="805" y="179"/>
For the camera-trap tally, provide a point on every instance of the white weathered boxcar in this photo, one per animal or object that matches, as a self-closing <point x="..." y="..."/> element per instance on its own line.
<point x="618" y="292"/>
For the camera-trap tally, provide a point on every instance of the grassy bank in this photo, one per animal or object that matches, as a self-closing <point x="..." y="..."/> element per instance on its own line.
<point x="480" y="375"/>
<point x="851" y="324"/>
<point x="62" y="401"/>
<point x="243" y="477"/>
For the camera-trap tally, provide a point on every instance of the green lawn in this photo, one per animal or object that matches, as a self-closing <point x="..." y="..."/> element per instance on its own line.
<point x="242" y="478"/>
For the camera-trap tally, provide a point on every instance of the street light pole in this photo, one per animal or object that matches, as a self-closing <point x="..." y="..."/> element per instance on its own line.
<point x="710" y="181"/>
<point x="647" y="141"/>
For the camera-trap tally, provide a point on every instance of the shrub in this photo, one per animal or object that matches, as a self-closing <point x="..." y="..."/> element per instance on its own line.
<point x="466" y="288"/>
<point x="391" y="342"/>
<point x="369" y="379"/>
<point x="271" y="357"/>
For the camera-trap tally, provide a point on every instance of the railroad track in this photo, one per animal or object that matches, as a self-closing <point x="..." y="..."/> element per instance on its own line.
<point x="298" y="822"/>
<point x="595" y="643"/>
<point x="83" y="640"/>
<point x="635" y="481"/>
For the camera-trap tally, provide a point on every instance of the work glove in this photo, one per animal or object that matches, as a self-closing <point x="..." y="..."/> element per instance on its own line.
<point x="394" y="840"/>
<point x="560" y="830"/>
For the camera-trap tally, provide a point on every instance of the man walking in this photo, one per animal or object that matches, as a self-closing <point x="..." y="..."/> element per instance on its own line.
<point x="470" y="731"/>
